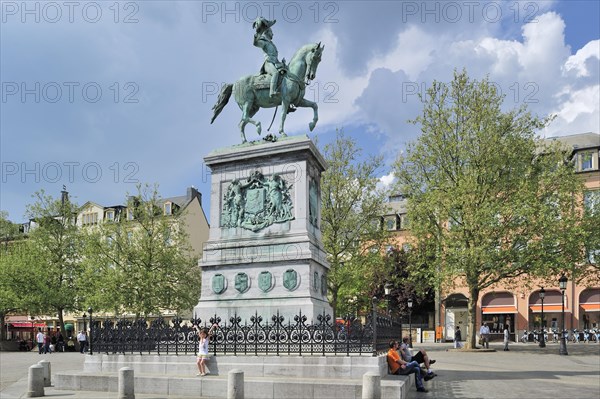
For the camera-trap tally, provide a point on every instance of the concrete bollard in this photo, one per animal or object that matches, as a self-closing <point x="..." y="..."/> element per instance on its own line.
<point x="371" y="387"/>
<point x="126" y="383"/>
<point x="235" y="384"/>
<point x="35" y="381"/>
<point x="47" y="372"/>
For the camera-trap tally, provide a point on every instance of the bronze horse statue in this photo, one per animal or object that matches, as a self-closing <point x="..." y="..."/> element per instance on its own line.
<point x="252" y="91"/>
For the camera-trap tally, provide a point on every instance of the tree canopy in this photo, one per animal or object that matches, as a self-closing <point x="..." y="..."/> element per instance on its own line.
<point x="488" y="202"/>
<point x="352" y="208"/>
<point x="55" y="245"/>
<point x="142" y="261"/>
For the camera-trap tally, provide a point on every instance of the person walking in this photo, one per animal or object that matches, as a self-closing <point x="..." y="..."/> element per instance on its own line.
<point x="47" y="342"/>
<point x="484" y="332"/>
<point x="506" y="337"/>
<point x="82" y="339"/>
<point x="457" y="338"/>
<point x="39" y="338"/>
<point x="60" y="343"/>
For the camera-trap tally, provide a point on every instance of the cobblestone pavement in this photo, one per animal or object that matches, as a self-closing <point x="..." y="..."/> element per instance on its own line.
<point x="525" y="371"/>
<point x="15" y="365"/>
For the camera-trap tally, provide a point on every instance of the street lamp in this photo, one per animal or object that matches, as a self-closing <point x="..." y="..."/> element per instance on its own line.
<point x="84" y="322"/>
<point x="91" y="329"/>
<point x="542" y="340"/>
<point x="562" y="283"/>
<point x="32" y="332"/>
<point x="387" y="288"/>
<point x="410" y="303"/>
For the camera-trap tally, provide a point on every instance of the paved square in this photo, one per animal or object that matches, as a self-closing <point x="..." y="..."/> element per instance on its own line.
<point x="525" y="371"/>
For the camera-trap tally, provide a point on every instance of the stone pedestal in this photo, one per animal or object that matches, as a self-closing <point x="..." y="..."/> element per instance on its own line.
<point x="264" y="253"/>
<point x="47" y="372"/>
<point x="126" y="383"/>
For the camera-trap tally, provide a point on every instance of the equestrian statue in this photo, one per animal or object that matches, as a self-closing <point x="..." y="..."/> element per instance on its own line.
<point x="276" y="84"/>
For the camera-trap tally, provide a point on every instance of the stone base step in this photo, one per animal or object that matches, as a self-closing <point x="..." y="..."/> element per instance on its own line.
<point x="216" y="386"/>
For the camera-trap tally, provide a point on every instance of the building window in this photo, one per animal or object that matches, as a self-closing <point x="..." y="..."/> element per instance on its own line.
<point x="130" y="214"/>
<point x="110" y="215"/>
<point x="404" y="221"/>
<point x="89" y="218"/>
<point x="591" y="201"/>
<point x="391" y="223"/>
<point x="593" y="256"/>
<point x="167" y="208"/>
<point x="585" y="161"/>
<point x="396" y="198"/>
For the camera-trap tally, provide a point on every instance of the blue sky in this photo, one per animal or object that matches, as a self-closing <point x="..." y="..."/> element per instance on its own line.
<point x="101" y="95"/>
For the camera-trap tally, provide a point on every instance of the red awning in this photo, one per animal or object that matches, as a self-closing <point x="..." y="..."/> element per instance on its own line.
<point x="26" y="325"/>
<point x="498" y="309"/>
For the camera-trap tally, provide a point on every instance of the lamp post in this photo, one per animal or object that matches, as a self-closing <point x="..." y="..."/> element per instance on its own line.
<point x="84" y="322"/>
<point x="410" y="303"/>
<point x="387" y="288"/>
<point x="91" y="328"/>
<point x="542" y="339"/>
<point x="562" y="283"/>
<point x="32" y="332"/>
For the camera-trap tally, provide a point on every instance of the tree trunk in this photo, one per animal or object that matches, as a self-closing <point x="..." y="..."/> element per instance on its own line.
<point x="471" y="342"/>
<point x="2" y="327"/>
<point x="61" y="322"/>
<point x="334" y="300"/>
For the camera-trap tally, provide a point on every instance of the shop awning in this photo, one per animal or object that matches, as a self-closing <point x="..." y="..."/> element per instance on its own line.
<point x="591" y="307"/>
<point x="589" y="300"/>
<point x="547" y="308"/>
<point x="26" y="325"/>
<point x="499" y="309"/>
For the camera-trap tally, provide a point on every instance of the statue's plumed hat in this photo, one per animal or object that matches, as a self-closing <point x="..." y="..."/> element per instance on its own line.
<point x="261" y="24"/>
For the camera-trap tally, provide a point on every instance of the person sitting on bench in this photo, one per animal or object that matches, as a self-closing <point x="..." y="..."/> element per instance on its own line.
<point x="400" y="367"/>
<point x="420" y="357"/>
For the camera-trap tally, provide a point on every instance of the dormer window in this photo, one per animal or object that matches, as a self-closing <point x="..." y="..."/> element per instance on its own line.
<point x="110" y="215"/>
<point x="130" y="214"/>
<point x="391" y="223"/>
<point x="168" y="208"/>
<point x="587" y="160"/>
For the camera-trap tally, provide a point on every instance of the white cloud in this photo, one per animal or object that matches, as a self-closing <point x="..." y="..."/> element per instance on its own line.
<point x="577" y="62"/>
<point x="387" y="180"/>
<point x="538" y="70"/>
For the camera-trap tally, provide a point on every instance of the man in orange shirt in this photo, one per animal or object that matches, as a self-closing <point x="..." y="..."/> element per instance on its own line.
<point x="400" y="367"/>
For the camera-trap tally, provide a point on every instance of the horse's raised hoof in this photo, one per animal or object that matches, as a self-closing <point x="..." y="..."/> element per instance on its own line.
<point x="311" y="126"/>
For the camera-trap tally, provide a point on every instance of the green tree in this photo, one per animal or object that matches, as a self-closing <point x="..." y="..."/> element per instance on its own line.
<point x="591" y="207"/>
<point x="10" y="300"/>
<point x="350" y="217"/>
<point x="54" y="258"/>
<point x="487" y="202"/>
<point x="142" y="262"/>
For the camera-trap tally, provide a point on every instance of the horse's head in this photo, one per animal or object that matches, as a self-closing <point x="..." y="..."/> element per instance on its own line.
<point x="313" y="57"/>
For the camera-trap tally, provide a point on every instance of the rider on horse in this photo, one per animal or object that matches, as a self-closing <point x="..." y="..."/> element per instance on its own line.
<point x="263" y="39"/>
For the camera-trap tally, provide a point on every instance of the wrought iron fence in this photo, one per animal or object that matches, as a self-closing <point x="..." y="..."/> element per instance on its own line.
<point x="255" y="336"/>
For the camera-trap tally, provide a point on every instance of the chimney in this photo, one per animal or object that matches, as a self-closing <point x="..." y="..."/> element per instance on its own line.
<point x="193" y="193"/>
<point x="64" y="195"/>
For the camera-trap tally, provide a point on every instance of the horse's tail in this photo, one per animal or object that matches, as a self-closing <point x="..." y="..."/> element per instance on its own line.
<point x="222" y="101"/>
